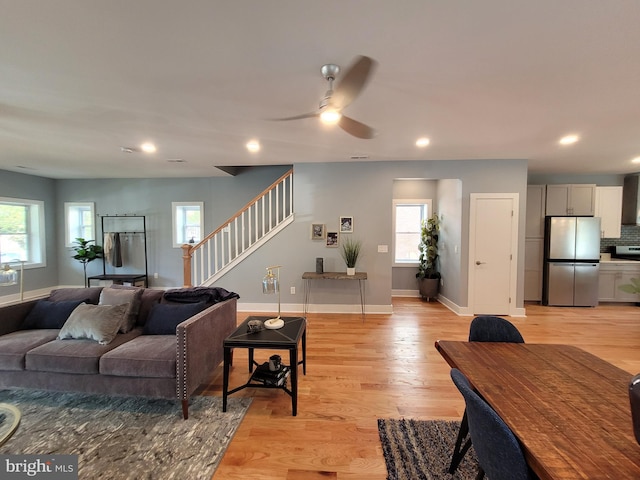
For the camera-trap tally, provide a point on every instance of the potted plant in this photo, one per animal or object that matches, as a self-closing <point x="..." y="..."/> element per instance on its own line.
<point x="428" y="275"/>
<point x="350" y="252"/>
<point x="86" y="251"/>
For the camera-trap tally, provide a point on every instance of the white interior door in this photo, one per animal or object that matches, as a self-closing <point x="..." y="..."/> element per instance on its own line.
<point x="493" y="245"/>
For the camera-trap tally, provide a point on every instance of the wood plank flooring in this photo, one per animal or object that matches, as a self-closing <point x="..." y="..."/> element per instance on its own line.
<point x="386" y="366"/>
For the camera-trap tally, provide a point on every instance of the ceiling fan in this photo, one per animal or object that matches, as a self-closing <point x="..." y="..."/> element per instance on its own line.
<point x="334" y="101"/>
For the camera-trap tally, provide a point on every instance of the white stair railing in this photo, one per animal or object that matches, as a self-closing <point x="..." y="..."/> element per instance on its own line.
<point x="238" y="237"/>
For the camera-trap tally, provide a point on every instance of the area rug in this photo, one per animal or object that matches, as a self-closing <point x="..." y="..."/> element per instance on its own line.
<point x="125" y="437"/>
<point x="421" y="450"/>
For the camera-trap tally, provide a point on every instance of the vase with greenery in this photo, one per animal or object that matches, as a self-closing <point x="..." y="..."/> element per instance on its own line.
<point x="86" y="251"/>
<point x="428" y="274"/>
<point x="350" y="251"/>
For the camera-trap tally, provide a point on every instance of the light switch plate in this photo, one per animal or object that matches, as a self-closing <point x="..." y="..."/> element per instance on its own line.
<point x="383" y="248"/>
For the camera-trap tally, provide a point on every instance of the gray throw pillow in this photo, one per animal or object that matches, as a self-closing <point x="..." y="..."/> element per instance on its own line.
<point x="95" y="322"/>
<point x="116" y="296"/>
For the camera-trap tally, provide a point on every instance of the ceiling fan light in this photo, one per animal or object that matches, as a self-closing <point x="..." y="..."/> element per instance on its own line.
<point x="330" y="117"/>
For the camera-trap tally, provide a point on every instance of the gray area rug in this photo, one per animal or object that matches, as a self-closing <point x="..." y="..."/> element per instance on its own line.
<point x="421" y="450"/>
<point x="125" y="437"/>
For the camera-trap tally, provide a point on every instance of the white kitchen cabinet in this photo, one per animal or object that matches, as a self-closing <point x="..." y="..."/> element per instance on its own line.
<point x="533" y="252"/>
<point x="614" y="274"/>
<point x="571" y="199"/>
<point x="536" y="199"/>
<point x="609" y="208"/>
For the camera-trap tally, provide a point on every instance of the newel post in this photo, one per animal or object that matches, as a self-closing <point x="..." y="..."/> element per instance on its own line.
<point x="186" y="264"/>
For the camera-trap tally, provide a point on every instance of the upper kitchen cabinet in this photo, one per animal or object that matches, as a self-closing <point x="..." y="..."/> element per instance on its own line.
<point x="609" y="209"/>
<point x="536" y="195"/>
<point x="576" y="199"/>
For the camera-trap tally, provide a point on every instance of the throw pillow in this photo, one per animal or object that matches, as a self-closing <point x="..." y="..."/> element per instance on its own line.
<point x="88" y="295"/>
<point x="164" y="317"/>
<point x="95" y="322"/>
<point x="116" y="296"/>
<point x="46" y="314"/>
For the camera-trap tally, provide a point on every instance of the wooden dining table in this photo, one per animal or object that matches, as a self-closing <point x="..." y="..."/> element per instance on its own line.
<point x="568" y="408"/>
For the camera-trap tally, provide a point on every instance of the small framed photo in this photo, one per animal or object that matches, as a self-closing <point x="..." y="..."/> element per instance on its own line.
<point x="346" y="224"/>
<point x="332" y="239"/>
<point x="318" y="231"/>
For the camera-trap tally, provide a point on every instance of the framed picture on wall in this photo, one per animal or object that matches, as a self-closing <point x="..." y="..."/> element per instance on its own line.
<point x="332" y="239"/>
<point x="318" y="231"/>
<point x="346" y="224"/>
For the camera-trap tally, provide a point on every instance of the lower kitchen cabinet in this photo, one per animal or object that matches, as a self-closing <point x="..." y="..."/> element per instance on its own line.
<point x="614" y="274"/>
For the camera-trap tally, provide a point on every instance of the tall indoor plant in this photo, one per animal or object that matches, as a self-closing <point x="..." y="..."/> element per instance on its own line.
<point x="428" y="275"/>
<point x="350" y="252"/>
<point x="86" y="251"/>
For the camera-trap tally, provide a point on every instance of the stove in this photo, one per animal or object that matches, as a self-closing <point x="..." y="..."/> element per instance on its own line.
<point x="627" y="252"/>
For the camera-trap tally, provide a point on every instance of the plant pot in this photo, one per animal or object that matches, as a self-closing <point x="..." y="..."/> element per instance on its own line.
<point x="429" y="287"/>
<point x="351" y="271"/>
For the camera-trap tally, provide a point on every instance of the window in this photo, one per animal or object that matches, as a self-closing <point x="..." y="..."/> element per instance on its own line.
<point x="22" y="231"/>
<point x="79" y="220"/>
<point x="408" y="216"/>
<point x="187" y="222"/>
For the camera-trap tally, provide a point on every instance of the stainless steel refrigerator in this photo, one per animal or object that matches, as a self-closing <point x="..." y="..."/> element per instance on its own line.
<point x="571" y="261"/>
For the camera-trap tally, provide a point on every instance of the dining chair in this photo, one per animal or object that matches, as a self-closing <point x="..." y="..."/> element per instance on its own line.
<point x="486" y="328"/>
<point x="634" y="398"/>
<point x="497" y="448"/>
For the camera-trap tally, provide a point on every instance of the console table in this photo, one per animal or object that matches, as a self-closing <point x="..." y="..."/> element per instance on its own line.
<point x="309" y="276"/>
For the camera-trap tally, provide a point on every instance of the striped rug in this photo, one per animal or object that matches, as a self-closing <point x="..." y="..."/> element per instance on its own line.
<point x="421" y="450"/>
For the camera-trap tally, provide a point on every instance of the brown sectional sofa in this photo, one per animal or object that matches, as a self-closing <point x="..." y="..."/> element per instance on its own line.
<point x="134" y="363"/>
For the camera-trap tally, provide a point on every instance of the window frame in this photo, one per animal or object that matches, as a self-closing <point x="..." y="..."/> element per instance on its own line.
<point x="428" y="203"/>
<point x="36" y="235"/>
<point x="69" y="237"/>
<point x="178" y="226"/>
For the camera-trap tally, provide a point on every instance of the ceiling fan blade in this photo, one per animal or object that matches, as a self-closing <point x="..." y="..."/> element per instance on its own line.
<point x="297" y="117"/>
<point x="353" y="82"/>
<point x="355" y="128"/>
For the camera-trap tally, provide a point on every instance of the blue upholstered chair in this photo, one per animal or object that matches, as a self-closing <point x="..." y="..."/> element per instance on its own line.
<point x="493" y="329"/>
<point x="634" y="398"/>
<point x="482" y="329"/>
<point x="499" y="453"/>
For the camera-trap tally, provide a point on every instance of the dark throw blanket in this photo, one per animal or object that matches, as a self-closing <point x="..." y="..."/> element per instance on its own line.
<point x="209" y="295"/>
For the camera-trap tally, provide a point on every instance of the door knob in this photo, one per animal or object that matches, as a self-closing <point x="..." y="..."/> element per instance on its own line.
<point x="478" y="262"/>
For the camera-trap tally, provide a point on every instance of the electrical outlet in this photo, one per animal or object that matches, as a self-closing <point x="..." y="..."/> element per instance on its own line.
<point x="293" y="290"/>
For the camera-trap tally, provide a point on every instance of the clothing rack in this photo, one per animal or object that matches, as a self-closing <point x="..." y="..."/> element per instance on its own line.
<point x="135" y="278"/>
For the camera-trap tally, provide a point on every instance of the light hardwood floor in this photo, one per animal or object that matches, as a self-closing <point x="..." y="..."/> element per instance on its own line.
<point x="386" y="366"/>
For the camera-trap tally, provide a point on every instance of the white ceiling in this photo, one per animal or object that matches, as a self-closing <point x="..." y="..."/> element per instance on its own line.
<point x="497" y="79"/>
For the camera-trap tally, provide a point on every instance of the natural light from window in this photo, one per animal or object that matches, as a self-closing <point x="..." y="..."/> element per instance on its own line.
<point x="407" y="221"/>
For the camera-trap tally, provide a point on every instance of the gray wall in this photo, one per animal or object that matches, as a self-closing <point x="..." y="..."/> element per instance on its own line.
<point x="322" y="193"/>
<point x="222" y="197"/>
<point x="17" y="185"/>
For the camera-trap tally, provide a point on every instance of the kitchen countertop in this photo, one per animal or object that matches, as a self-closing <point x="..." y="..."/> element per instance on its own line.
<point x="606" y="258"/>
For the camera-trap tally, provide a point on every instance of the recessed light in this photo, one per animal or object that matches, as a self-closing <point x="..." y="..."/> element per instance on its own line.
<point x="148" y="147"/>
<point x="636" y="160"/>
<point x="176" y="160"/>
<point x="569" y="140"/>
<point x="253" y="146"/>
<point x="422" y="142"/>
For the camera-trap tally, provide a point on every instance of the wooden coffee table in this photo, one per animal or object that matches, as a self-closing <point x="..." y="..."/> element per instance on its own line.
<point x="288" y="337"/>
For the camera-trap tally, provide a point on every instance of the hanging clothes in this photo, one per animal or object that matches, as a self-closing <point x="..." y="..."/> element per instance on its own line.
<point x="116" y="257"/>
<point x="113" y="249"/>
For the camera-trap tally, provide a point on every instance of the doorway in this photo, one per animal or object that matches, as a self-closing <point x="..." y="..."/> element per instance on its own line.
<point x="493" y="253"/>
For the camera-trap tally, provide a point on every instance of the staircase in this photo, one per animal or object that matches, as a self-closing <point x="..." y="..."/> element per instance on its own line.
<point x="257" y="222"/>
